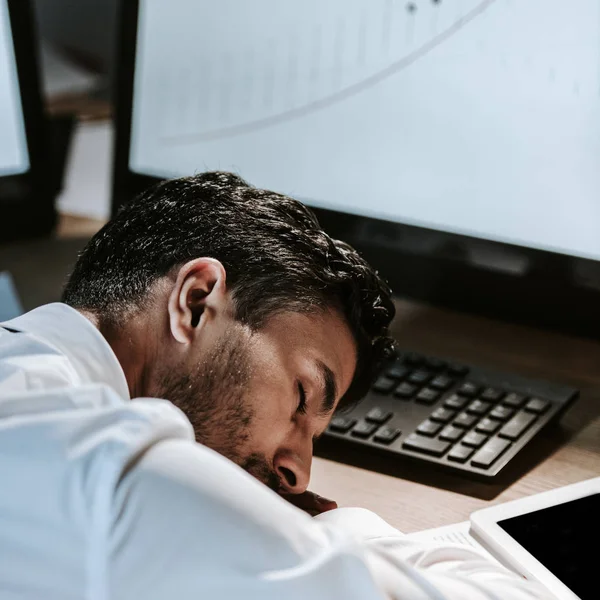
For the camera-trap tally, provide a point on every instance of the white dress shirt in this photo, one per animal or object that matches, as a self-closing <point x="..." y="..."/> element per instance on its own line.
<point x="107" y="498"/>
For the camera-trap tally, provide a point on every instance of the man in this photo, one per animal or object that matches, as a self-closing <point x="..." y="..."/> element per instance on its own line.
<point x="231" y="303"/>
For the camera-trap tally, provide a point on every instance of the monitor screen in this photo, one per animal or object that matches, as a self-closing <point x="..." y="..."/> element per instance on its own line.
<point x="14" y="155"/>
<point x="564" y="539"/>
<point x="476" y="117"/>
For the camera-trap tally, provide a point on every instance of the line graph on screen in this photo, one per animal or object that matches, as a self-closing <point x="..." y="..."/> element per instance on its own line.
<point x="270" y="79"/>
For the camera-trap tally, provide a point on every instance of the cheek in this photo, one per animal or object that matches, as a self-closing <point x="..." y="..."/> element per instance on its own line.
<point x="271" y="414"/>
<point x="272" y="409"/>
<point x="270" y="395"/>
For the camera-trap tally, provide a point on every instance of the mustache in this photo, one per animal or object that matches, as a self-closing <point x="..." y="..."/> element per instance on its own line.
<point x="258" y="466"/>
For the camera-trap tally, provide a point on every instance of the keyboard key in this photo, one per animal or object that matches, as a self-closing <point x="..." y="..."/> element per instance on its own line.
<point x="442" y="415"/>
<point x="413" y="359"/>
<point x="419" y="443"/>
<point x="465" y="421"/>
<point x="429" y="428"/>
<point x="378" y="415"/>
<point x="458" y="370"/>
<point x="427" y="396"/>
<point x="456" y="401"/>
<point x="364" y="429"/>
<point x="384" y="385"/>
<point x="406" y="390"/>
<point x="420" y="377"/>
<point x="537" y="405"/>
<point x="490" y="453"/>
<point x="478" y="407"/>
<point x="515" y="400"/>
<point x="492" y="395"/>
<point x="517" y="425"/>
<point x="441" y="382"/>
<point x="451" y="433"/>
<point x="474" y="439"/>
<point x="488" y="426"/>
<point x="398" y="371"/>
<point x="342" y="424"/>
<point x="469" y="389"/>
<point x="502" y="413"/>
<point x="460" y="453"/>
<point x="435" y="364"/>
<point x="386" y="435"/>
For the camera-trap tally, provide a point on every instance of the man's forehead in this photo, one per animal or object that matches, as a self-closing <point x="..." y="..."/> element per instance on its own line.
<point x="326" y="327"/>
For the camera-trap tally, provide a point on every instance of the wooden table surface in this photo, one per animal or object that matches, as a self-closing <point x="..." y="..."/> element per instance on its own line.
<point x="413" y="498"/>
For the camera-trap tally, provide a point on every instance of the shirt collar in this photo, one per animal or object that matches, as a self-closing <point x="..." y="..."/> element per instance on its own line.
<point x="77" y="338"/>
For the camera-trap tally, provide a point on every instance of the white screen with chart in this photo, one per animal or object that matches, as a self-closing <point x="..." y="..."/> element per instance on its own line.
<point x="479" y="117"/>
<point x="14" y="157"/>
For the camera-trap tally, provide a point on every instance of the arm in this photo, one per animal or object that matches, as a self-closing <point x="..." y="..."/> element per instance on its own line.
<point x="187" y="523"/>
<point x="455" y="571"/>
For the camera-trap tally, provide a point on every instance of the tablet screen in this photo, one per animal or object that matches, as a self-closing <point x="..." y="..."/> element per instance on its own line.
<point x="565" y="539"/>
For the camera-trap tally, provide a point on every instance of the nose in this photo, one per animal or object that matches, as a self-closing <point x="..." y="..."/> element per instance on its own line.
<point x="293" y="471"/>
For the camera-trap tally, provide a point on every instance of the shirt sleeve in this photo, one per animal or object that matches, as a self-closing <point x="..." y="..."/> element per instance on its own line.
<point x="187" y="523"/>
<point x="440" y="570"/>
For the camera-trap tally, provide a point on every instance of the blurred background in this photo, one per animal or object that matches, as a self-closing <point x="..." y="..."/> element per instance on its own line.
<point x="76" y="43"/>
<point x="83" y="30"/>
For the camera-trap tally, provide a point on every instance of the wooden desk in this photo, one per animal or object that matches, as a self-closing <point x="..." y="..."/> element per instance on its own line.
<point x="418" y="498"/>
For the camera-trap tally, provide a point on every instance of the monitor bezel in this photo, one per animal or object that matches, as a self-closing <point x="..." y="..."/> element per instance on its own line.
<point x="26" y="199"/>
<point x="556" y="291"/>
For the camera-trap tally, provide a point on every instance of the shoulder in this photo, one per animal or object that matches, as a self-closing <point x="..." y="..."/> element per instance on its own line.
<point x="29" y="363"/>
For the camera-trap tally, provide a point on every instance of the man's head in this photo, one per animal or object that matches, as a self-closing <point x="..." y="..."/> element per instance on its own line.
<point x="231" y="302"/>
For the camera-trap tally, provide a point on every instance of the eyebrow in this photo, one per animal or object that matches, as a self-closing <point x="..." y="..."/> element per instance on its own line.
<point x="329" y="389"/>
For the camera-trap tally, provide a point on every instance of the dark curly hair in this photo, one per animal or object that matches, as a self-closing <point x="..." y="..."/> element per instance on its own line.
<point x="276" y="256"/>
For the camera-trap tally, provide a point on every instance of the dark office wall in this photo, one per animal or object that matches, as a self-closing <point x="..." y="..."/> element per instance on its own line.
<point x="87" y="27"/>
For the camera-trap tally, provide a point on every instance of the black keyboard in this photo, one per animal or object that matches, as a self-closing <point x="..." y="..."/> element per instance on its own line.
<point x="460" y="417"/>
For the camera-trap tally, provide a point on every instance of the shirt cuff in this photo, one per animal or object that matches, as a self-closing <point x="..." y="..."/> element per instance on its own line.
<point x="359" y="522"/>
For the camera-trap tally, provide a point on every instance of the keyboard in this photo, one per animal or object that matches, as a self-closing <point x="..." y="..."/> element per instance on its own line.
<point x="459" y="417"/>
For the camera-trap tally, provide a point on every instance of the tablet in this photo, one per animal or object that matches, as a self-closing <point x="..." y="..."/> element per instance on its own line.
<point x="553" y="537"/>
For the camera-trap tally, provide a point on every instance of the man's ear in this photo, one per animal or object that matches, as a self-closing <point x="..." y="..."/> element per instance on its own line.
<point x="199" y="293"/>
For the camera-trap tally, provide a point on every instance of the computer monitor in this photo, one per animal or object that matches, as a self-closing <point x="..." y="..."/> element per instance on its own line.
<point x="14" y="154"/>
<point x="26" y="200"/>
<point x="456" y="143"/>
